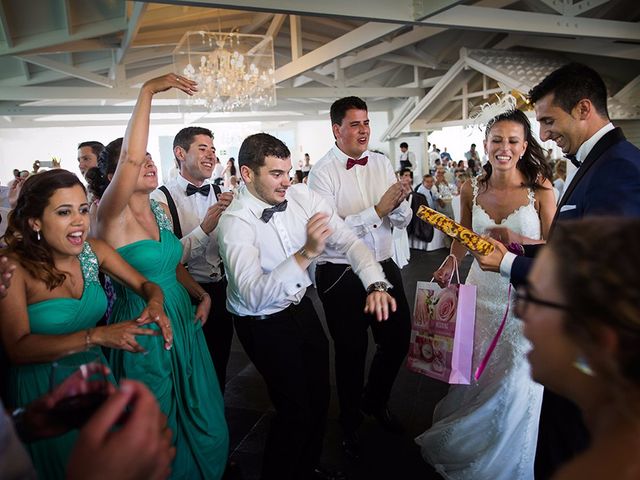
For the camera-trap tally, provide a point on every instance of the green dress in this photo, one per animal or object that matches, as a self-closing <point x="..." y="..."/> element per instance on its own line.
<point x="57" y="316"/>
<point x="183" y="379"/>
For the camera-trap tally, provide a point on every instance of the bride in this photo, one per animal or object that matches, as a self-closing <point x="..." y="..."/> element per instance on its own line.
<point x="488" y="430"/>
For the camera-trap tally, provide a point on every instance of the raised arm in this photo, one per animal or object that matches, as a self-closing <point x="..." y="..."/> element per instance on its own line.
<point x="134" y="146"/>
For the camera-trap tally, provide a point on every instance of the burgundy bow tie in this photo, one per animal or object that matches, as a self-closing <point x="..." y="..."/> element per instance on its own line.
<point x="361" y="161"/>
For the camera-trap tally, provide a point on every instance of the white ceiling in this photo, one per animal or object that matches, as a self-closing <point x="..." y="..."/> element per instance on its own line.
<point x="77" y="62"/>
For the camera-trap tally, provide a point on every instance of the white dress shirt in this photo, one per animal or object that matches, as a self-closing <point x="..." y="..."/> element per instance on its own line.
<point x="353" y="194"/>
<point x="200" y="251"/>
<point x="431" y="198"/>
<point x="263" y="275"/>
<point x="407" y="156"/>
<point x="507" y="261"/>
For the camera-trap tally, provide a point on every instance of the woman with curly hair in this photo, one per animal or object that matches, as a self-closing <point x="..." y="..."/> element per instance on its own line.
<point x="56" y="299"/>
<point x="488" y="429"/>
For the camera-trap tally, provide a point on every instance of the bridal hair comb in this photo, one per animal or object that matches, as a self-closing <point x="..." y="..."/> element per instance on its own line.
<point x="488" y="111"/>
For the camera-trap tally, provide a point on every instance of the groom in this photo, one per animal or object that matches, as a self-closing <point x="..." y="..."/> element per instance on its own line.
<point x="571" y="106"/>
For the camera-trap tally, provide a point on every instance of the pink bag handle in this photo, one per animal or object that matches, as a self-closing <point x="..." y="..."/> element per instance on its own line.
<point x="455" y="262"/>
<point x="494" y="342"/>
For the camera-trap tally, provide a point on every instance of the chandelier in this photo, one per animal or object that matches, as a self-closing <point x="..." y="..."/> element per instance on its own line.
<point x="234" y="71"/>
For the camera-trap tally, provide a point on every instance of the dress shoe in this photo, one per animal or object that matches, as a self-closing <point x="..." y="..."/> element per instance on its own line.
<point x="351" y="445"/>
<point x="321" y="473"/>
<point x="386" y="419"/>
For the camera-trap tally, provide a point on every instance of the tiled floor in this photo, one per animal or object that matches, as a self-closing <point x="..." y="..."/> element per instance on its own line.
<point x="385" y="455"/>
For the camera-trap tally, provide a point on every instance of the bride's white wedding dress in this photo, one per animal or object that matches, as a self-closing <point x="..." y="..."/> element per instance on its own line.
<point x="488" y="430"/>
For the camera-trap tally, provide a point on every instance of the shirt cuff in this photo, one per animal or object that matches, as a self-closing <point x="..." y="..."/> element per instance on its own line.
<point x="373" y="274"/>
<point x="370" y="217"/>
<point x="506" y="264"/>
<point x="198" y="233"/>
<point x="292" y="276"/>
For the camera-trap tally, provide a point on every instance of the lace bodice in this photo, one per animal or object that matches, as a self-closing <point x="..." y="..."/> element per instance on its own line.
<point x="523" y="220"/>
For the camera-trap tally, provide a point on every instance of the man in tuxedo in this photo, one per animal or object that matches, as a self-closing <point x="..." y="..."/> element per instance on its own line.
<point x="361" y="186"/>
<point x="268" y="237"/>
<point x="196" y="206"/>
<point x="571" y="106"/>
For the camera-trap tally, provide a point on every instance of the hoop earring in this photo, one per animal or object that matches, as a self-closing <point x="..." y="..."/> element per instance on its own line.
<point x="582" y="364"/>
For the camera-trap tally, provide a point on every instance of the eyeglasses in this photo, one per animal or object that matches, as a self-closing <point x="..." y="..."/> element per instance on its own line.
<point x="524" y="297"/>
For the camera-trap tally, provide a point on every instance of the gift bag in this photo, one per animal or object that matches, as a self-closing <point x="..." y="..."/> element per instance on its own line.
<point x="442" y="331"/>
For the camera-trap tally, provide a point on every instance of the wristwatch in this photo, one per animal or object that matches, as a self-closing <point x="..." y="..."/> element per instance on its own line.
<point x="378" y="287"/>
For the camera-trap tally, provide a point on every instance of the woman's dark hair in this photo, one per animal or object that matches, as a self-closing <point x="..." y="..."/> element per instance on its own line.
<point x="232" y="170"/>
<point x="597" y="268"/>
<point x="33" y="254"/>
<point x="97" y="177"/>
<point x="533" y="164"/>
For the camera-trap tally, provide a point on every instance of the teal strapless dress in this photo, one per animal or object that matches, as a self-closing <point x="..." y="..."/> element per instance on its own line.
<point x="183" y="379"/>
<point x="57" y="316"/>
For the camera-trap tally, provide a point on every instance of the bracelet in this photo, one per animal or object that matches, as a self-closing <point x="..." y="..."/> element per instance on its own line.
<point x="305" y="254"/>
<point x="202" y="295"/>
<point x="87" y="339"/>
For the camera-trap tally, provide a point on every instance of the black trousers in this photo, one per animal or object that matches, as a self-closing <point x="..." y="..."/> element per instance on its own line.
<point x="291" y="352"/>
<point x="218" y="331"/>
<point x="343" y="298"/>
<point x="562" y="434"/>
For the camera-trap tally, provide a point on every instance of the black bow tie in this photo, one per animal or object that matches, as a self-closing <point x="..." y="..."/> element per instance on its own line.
<point x="574" y="160"/>
<point x="267" y="213"/>
<point x="203" y="190"/>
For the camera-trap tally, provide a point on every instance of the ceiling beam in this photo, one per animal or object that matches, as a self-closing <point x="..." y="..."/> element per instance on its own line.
<point x="4" y="27"/>
<point x="602" y="48"/>
<point x="272" y="32"/>
<point x="132" y="30"/>
<point x="431" y="95"/>
<point x="495" y="19"/>
<point x="404" y="60"/>
<point x="328" y="81"/>
<point x="625" y="93"/>
<point x="61" y="36"/>
<point x="67" y="69"/>
<point x="74" y="93"/>
<point x="363" y="77"/>
<point x="295" y="28"/>
<point x="400" y="11"/>
<point x="256" y="23"/>
<point x="341" y="45"/>
<point x="584" y="6"/>
<point x="66" y="16"/>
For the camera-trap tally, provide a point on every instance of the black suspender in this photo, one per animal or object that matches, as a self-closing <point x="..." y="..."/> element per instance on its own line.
<point x="173" y="210"/>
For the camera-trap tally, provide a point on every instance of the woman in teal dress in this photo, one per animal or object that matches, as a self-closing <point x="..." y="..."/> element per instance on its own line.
<point x="183" y="379"/>
<point x="56" y="298"/>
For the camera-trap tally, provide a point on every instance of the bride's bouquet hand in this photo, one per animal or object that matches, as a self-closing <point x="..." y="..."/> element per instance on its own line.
<point x="443" y="275"/>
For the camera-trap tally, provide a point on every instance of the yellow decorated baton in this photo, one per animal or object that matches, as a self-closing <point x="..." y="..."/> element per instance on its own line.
<point x="470" y="239"/>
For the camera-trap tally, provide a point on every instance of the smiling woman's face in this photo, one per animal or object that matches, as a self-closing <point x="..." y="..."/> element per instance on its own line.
<point x="65" y="221"/>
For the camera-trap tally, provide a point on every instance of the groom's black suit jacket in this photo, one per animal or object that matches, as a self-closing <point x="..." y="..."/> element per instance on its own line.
<point x="607" y="183"/>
